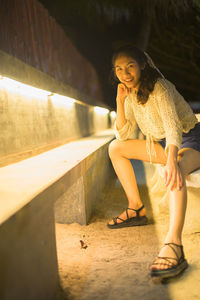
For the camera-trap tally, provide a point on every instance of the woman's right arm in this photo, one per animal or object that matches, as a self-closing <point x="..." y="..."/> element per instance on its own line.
<point x="122" y="93"/>
<point x="125" y="121"/>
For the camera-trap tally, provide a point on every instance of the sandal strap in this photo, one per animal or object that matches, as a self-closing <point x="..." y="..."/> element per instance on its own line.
<point x="161" y="263"/>
<point x="136" y="210"/>
<point x="127" y="216"/>
<point x="171" y="246"/>
<point x="168" y="259"/>
<point x="115" y="220"/>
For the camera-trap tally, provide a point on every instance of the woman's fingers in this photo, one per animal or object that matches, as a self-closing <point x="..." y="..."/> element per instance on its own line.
<point x="179" y="180"/>
<point x="168" y="176"/>
<point x="172" y="182"/>
<point x="178" y="185"/>
<point x="173" y="179"/>
<point x="122" y="90"/>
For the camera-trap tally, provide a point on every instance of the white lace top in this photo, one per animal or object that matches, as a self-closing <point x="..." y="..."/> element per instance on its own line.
<point x="165" y="115"/>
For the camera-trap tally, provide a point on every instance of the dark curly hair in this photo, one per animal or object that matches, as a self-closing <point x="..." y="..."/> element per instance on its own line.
<point x="148" y="77"/>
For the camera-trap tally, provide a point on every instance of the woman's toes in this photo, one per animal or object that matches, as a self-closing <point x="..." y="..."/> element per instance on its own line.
<point x="111" y="222"/>
<point x="160" y="264"/>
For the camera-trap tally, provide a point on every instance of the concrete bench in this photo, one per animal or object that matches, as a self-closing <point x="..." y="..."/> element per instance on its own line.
<point x="60" y="185"/>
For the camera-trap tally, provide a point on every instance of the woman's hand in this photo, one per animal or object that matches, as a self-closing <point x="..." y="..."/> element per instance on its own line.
<point x="122" y="92"/>
<point x="173" y="176"/>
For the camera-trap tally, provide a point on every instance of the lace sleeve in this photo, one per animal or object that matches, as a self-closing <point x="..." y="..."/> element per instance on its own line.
<point x="128" y="130"/>
<point x="171" y="123"/>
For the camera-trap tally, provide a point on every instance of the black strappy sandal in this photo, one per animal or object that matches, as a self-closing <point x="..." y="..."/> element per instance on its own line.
<point x="174" y="269"/>
<point x="134" y="221"/>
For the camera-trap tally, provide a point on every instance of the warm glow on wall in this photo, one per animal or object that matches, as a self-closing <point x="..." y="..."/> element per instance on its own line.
<point x="113" y="114"/>
<point x="60" y="100"/>
<point x="17" y="87"/>
<point x="101" y="110"/>
<point x="29" y="91"/>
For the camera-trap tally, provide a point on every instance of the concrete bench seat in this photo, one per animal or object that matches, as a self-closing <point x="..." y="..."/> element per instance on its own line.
<point x="193" y="179"/>
<point x="23" y="181"/>
<point x="31" y="196"/>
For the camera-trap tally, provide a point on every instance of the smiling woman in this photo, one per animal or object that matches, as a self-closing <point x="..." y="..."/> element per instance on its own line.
<point x="133" y="70"/>
<point x="128" y="71"/>
<point x="146" y="98"/>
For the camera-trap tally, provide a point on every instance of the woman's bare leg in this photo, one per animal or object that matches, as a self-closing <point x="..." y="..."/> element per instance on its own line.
<point x="120" y="153"/>
<point x="178" y="201"/>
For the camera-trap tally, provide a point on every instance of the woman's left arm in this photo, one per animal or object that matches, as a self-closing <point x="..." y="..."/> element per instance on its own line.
<point x="173" y="130"/>
<point x="173" y="176"/>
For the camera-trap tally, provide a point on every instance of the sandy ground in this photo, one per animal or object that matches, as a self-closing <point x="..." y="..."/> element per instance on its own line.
<point x="115" y="265"/>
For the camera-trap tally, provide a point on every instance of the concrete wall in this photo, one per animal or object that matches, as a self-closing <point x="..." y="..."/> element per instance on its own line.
<point x="69" y="177"/>
<point x="30" y="34"/>
<point x="15" y="68"/>
<point x="83" y="185"/>
<point x="28" y="253"/>
<point x="38" y="56"/>
<point x="30" y="125"/>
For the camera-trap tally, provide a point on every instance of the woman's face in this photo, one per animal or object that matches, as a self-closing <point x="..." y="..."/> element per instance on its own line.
<point x="128" y="71"/>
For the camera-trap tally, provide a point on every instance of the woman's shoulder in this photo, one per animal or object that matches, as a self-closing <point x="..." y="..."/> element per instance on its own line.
<point x="163" y="85"/>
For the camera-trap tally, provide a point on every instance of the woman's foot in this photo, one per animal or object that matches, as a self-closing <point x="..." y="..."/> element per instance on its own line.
<point x="135" y="218"/>
<point x="170" y="261"/>
<point x="131" y="214"/>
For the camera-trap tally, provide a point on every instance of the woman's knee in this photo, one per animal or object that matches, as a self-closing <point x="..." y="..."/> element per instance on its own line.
<point x="114" y="148"/>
